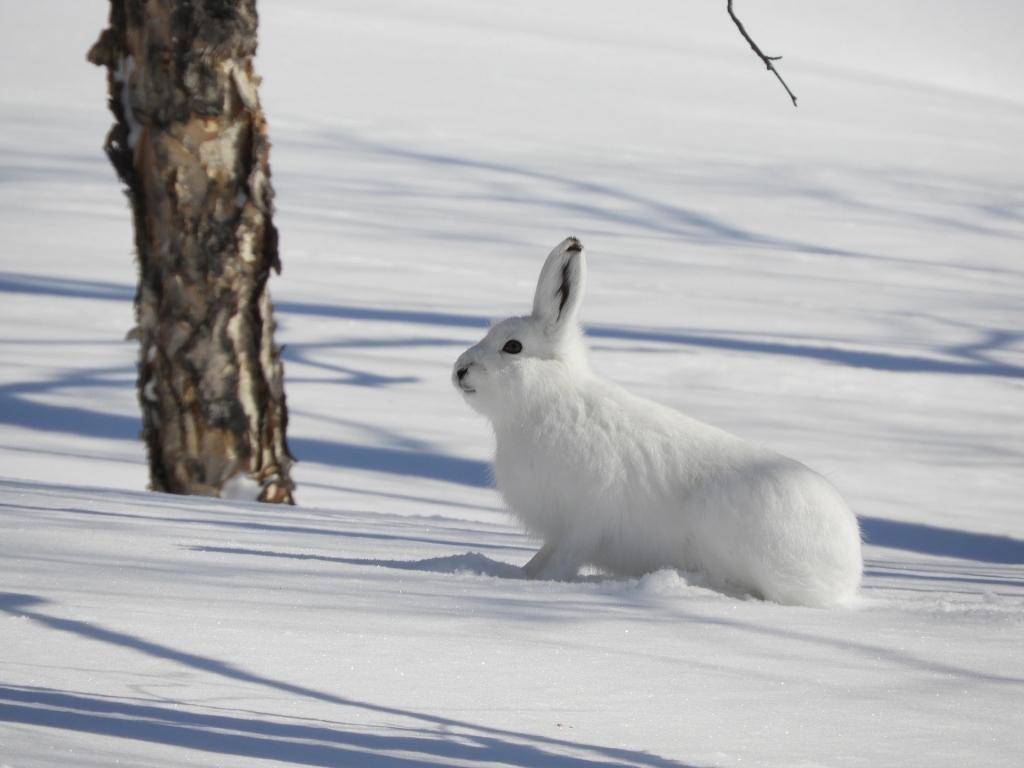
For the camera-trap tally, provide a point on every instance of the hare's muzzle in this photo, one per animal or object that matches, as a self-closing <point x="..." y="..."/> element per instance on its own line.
<point x="458" y="379"/>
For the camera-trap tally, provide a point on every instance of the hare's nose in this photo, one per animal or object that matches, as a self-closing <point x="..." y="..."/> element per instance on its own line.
<point x="461" y="373"/>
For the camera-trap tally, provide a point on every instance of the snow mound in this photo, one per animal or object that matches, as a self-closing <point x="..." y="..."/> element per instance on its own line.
<point x="471" y="563"/>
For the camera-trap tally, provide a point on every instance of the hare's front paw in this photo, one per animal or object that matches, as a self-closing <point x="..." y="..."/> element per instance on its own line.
<point x="553" y="562"/>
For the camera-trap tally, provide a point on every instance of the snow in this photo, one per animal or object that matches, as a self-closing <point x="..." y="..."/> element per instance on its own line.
<point x="842" y="282"/>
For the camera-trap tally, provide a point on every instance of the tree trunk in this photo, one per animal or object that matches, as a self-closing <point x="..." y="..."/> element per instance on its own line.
<point x="190" y="143"/>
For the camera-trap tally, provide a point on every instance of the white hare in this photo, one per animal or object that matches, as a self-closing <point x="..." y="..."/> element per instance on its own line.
<point x="607" y="478"/>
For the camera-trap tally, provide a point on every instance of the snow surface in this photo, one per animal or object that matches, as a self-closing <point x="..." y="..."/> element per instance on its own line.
<point x="842" y="282"/>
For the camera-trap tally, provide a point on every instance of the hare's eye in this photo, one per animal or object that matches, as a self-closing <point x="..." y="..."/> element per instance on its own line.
<point x="513" y="347"/>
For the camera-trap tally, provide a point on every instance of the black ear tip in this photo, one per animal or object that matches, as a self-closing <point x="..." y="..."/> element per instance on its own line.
<point x="573" y="245"/>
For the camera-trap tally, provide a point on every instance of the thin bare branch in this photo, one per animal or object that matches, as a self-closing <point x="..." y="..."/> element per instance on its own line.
<point x="766" y="59"/>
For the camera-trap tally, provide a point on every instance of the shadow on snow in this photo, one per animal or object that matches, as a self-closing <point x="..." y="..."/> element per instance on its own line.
<point x="470" y="562"/>
<point x="945" y="542"/>
<point x="432" y="741"/>
<point x="434" y="466"/>
<point x="972" y="359"/>
<point x="22" y="412"/>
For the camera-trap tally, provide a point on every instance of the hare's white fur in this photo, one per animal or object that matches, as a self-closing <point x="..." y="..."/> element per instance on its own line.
<point x="607" y="478"/>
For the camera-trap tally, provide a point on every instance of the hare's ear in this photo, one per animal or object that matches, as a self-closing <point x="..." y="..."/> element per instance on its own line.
<point x="561" y="284"/>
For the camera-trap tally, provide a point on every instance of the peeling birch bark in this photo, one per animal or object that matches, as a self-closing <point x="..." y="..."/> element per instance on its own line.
<point x="190" y="143"/>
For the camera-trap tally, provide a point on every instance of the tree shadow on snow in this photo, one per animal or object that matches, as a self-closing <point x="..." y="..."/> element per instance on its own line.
<point x="248" y="525"/>
<point x="535" y="192"/>
<point x="20" y="411"/>
<point x="434" y="466"/>
<point x="431" y="741"/>
<point x="945" y="542"/>
<point x="13" y="282"/>
<point x="31" y="414"/>
<point x="266" y="738"/>
<point x="973" y="359"/>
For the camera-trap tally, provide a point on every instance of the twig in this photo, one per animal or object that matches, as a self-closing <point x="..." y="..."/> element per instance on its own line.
<point x="766" y="59"/>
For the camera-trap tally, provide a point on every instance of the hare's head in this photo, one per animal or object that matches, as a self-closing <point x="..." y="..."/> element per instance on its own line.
<point x="521" y="355"/>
